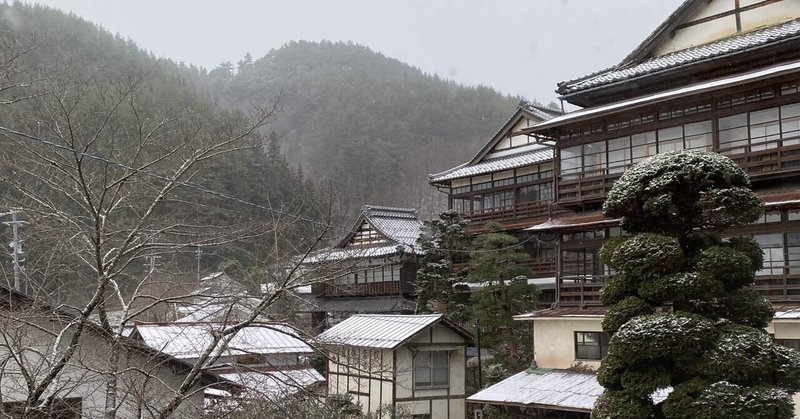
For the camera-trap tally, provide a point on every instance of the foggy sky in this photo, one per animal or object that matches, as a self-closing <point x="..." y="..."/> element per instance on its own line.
<point x="516" y="46"/>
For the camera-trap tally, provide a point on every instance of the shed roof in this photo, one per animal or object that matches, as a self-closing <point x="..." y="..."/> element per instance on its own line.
<point x="188" y="340"/>
<point x="564" y="390"/>
<point x="383" y="331"/>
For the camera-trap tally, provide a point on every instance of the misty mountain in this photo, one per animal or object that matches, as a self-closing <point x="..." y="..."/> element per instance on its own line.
<point x="367" y="126"/>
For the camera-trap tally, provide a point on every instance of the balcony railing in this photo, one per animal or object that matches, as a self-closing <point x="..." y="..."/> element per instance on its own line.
<point x="584" y="291"/>
<point x="368" y="289"/>
<point x="763" y="160"/>
<point x="523" y="210"/>
<point x="580" y="290"/>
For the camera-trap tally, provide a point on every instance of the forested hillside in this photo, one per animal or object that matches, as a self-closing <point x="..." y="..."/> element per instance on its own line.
<point x="369" y="126"/>
<point x="105" y="144"/>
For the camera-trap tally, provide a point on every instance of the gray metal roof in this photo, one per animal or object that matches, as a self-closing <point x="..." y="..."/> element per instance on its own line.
<point x="560" y="389"/>
<point x="493" y="165"/>
<point x="676" y="59"/>
<point x="188" y="340"/>
<point x="377" y="330"/>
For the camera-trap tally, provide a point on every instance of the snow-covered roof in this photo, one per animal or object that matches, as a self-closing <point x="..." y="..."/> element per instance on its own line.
<point x="399" y="227"/>
<point x="693" y="89"/>
<point x="188" y="340"/>
<point x="793" y="313"/>
<point x="356" y="252"/>
<point x="537" y="155"/>
<point x="380" y="331"/>
<point x="275" y="384"/>
<point x="723" y="47"/>
<point x="560" y="389"/>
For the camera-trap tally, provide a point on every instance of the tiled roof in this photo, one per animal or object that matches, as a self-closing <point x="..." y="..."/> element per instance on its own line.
<point x="544" y="388"/>
<point x="401" y="225"/>
<point x="188" y="340"/>
<point x="676" y="59"/>
<point x="690" y="90"/>
<point x="503" y="163"/>
<point x="355" y="252"/>
<point x="377" y="331"/>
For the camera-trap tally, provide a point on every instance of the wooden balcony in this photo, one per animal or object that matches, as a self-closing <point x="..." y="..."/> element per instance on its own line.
<point x="584" y="291"/>
<point x="767" y="160"/>
<point x="525" y="210"/>
<point x="364" y="290"/>
<point x="580" y="291"/>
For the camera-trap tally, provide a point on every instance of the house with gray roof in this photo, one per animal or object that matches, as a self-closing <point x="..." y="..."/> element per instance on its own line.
<point x="413" y="365"/>
<point x="371" y="269"/>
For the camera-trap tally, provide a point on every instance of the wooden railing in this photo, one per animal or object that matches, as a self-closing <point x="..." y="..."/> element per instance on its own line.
<point x="523" y="210"/>
<point x="779" y="288"/>
<point x="368" y="289"/>
<point x="761" y="160"/>
<point x="585" y="290"/>
<point x="581" y="291"/>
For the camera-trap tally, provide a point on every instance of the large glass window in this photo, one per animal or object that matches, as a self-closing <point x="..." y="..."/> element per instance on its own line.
<point x="592" y="346"/>
<point x="772" y="246"/>
<point x="571" y="162"/>
<point x="432" y="369"/>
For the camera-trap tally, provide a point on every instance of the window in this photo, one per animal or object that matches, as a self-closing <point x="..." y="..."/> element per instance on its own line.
<point x="591" y="346"/>
<point x="789" y="343"/>
<point x="432" y="369"/>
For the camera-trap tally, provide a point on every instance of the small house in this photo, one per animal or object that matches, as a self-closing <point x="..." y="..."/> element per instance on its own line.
<point x="410" y="364"/>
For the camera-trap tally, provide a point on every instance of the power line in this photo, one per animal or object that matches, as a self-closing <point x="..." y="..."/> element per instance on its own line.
<point x="205" y="190"/>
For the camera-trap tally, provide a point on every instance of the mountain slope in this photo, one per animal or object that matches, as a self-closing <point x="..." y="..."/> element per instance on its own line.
<point x="370" y="126"/>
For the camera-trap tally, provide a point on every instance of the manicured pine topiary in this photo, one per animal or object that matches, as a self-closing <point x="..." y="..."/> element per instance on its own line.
<point x="680" y="314"/>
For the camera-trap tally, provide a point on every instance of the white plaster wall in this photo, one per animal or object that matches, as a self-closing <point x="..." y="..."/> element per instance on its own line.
<point x="724" y="27"/>
<point x="554" y="340"/>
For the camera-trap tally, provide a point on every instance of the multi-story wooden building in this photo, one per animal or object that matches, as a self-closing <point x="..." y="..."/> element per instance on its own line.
<point x="511" y="181"/>
<point x="721" y="75"/>
<point x="372" y="269"/>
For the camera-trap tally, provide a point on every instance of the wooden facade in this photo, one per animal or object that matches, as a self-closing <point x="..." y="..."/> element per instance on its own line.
<point x="371" y="270"/>
<point x="743" y="103"/>
<point x="410" y="366"/>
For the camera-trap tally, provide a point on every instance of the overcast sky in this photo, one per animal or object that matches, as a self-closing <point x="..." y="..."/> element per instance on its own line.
<point x="516" y="46"/>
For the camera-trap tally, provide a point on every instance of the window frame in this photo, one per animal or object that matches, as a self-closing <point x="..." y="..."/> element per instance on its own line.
<point x="602" y="340"/>
<point x="431" y="366"/>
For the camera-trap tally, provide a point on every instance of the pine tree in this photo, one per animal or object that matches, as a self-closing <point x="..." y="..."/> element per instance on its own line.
<point x="496" y="267"/>
<point x="679" y="313"/>
<point x="443" y="242"/>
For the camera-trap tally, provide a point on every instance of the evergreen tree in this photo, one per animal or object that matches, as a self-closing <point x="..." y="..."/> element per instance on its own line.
<point x="502" y="292"/>
<point x="679" y="310"/>
<point x="443" y="242"/>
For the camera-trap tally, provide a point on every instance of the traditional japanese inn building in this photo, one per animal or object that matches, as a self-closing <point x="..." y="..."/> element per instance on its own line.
<point x="372" y="269"/>
<point x="721" y="75"/>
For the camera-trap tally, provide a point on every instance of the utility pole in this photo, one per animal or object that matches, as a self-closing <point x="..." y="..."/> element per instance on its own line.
<point x="20" y="285"/>
<point x="478" y="343"/>
<point x="198" y="255"/>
